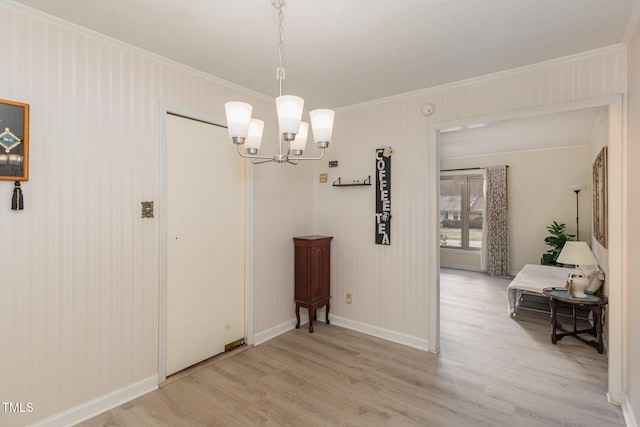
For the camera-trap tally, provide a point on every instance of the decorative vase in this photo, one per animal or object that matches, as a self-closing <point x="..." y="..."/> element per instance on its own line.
<point x="577" y="285"/>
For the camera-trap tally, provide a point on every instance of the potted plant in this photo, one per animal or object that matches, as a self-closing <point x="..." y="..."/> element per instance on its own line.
<point x="557" y="240"/>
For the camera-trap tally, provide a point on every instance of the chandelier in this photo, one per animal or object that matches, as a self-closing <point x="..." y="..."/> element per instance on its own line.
<point x="246" y="131"/>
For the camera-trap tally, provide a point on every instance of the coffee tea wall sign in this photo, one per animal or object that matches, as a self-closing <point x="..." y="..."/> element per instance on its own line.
<point x="14" y="141"/>
<point x="383" y="196"/>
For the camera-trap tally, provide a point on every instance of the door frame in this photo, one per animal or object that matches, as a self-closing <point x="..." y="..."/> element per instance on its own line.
<point x="161" y="212"/>
<point x="617" y="246"/>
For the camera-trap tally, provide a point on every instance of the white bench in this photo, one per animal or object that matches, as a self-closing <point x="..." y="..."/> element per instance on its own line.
<point x="533" y="278"/>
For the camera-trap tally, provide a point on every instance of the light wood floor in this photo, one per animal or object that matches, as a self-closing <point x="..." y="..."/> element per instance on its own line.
<point x="491" y="371"/>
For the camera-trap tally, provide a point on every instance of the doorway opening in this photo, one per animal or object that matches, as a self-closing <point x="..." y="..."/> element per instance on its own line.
<point x="613" y="107"/>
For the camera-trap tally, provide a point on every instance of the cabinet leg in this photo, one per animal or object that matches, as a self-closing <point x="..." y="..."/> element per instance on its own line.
<point x="326" y="317"/>
<point x="297" y="316"/>
<point x="312" y="312"/>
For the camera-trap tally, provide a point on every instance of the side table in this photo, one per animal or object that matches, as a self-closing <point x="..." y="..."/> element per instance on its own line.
<point x="595" y="303"/>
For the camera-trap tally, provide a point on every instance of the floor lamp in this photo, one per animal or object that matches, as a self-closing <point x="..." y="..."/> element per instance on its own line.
<point x="577" y="188"/>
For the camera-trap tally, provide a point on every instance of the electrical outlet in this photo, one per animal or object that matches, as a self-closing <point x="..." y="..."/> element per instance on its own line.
<point x="323" y="177"/>
<point x="348" y="298"/>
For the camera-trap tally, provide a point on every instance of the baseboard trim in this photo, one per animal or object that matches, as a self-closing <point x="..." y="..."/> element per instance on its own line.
<point x="386" y="334"/>
<point x="627" y="411"/>
<point x="101" y="404"/>
<point x="463" y="267"/>
<point x="280" y="329"/>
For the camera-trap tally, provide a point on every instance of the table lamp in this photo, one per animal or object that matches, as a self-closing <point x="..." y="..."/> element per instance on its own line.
<point x="577" y="253"/>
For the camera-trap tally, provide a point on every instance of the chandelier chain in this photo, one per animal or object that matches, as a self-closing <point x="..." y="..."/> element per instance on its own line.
<point x="280" y="73"/>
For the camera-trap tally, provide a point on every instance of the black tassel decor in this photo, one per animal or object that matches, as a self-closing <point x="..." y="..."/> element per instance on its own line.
<point x="17" y="201"/>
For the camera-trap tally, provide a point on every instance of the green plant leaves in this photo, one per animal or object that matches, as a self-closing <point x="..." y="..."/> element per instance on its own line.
<point x="557" y="240"/>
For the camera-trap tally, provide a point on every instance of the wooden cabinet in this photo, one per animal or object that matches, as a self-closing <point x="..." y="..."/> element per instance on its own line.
<point x="312" y="275"/>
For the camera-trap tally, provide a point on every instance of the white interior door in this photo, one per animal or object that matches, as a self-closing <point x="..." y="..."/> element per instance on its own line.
<point x="205" y="242"/>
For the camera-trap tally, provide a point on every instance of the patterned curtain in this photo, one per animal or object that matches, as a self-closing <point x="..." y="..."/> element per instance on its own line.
<point x="497" y="222"/>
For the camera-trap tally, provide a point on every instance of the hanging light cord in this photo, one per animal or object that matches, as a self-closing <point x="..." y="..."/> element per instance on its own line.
<point x="280" y="74"/>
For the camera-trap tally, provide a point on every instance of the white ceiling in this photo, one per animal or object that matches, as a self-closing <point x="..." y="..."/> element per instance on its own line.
<point x="343" y="52"/>
<point x="560" y="130"/>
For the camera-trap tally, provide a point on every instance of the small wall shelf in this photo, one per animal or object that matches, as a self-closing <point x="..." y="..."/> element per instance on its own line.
<point x="338" y="182"/>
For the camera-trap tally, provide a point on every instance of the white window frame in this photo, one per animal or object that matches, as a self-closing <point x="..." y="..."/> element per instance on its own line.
<point x="465" y="213"/>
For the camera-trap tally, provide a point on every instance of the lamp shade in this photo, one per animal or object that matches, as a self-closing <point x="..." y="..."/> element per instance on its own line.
<point x="238" y="118"/>
<point x="322" y="124"/>
<point x="254" y="138"/>
<point x="300" y="142"/>
<point x="576" y="187"/>
<point x="577" y="253"/>
<point x="289" y="113"/>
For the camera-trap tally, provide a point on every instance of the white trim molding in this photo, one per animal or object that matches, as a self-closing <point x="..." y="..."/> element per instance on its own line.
<point x="627" y="411"/>
<point x="486" y="77"/>
<point x="280" y="329"/>
<point x="463" y="267"/>
<point x="99" y="405"/>
<point x="385" y="334"/>
<point x="134" y="49"/>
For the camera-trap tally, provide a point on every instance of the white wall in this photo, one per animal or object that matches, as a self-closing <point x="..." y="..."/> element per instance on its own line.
<point x="79" y="273"/>
<point x="389" y="283"/>
<point x="631" y="292"/>
<point x="79" y="286"/>
<point x="538" y="194"/>
<point x="461" y="259"/>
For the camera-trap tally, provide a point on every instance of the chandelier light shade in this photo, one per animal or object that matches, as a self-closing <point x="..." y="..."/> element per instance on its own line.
<point x="322" y="125"/>
<point x="289" y="113"/>
<point x="238" y="119"/>
<point x="299" y="143"/>
<point x="254" y="138"/>
<point x="246" y="132"/>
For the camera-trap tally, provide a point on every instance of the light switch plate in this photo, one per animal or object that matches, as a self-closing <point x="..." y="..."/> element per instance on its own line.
<point x="323" y="177"/>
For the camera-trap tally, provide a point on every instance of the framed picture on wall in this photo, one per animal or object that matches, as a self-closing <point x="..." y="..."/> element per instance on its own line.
<point x="600" y="208"/>
<point x="14" y="141"/>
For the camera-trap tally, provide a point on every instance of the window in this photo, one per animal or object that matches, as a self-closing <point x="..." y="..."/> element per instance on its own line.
<point x="461" y="211"/>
